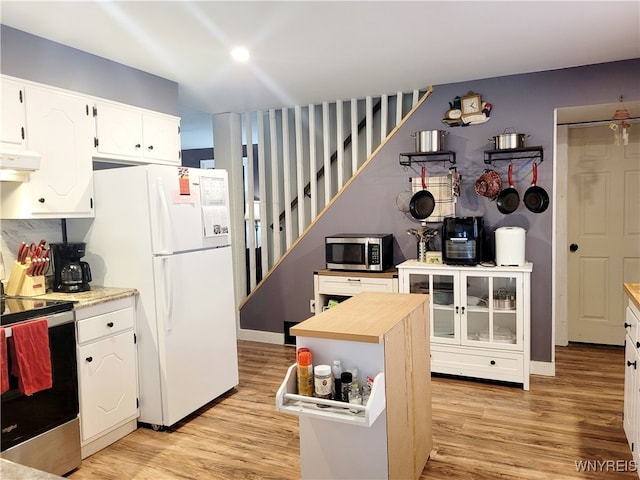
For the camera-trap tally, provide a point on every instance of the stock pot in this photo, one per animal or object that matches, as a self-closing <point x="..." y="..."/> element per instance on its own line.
<point x="430" y="140"/>
<point x="508" y="140"/>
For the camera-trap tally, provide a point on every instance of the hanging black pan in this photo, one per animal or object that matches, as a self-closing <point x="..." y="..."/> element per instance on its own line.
<point x="509" y="199"/>
<point x="536" y="199"/>
<point x="422" y="203"/>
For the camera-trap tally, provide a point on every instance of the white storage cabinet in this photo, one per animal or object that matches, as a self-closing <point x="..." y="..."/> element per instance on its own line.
<point x="631" y="417"/>
<point x="480" y="318"/>
<point x="58" y="127"/>
<point x="337" y="285"/>
<point x="107" y="373"/>
<point x="134" y="135"/>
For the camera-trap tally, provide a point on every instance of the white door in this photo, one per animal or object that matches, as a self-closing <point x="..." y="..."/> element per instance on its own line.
<point x="108" y="383"/>
<point x="603" y="231"/>
<point x="189" y="208"/>
<point x="60" y="129"/>
<point x="118" y="130"/>
<point x="12" y="128"/>
<point x="196" y="329"/>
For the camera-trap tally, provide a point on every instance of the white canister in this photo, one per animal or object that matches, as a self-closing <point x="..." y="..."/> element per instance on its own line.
<point x="510" y="245"/>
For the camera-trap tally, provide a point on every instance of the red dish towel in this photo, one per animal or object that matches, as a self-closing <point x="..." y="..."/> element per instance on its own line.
<point x="30" y="356"/>
<point x="4" y="364"/>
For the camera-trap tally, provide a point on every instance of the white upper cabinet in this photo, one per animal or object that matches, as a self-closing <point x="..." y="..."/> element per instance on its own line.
<point x="134" y="135"/>
<point x="13" y="115"/>
<point x="59" y="127"/>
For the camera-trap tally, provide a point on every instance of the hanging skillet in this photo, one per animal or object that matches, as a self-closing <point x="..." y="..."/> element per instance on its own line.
<point x="422" y="203"/>
<point x="536" y="199"/>
<point x="509" y="199"/>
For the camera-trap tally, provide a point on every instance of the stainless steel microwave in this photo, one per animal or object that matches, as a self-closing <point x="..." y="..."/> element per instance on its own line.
<point x="358" y="251"/>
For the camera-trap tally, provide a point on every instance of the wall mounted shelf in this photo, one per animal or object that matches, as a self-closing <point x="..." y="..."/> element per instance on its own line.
<point x="407" y="159"/>
<point x="523" y="153"/>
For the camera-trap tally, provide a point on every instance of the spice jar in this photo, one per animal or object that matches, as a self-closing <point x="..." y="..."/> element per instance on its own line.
<point x="322" y="381"/>
<point x="345" y="378"/>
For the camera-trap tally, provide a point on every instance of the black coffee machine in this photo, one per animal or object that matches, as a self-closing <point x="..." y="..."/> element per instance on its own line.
<point x="69" y="273"/>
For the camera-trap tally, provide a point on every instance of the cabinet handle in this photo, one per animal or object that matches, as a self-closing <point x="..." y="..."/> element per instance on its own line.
<point x="632" y="364"/>
<point x="41" y="200"/>
<point x="457" y="309"/>
<point x="353" y="279"/>
<point x="150" y="147"/>
<point x="627" y="325"/>
<point x="110" y="324"/>
<point x="637" y="344"/>
<point x="89" y="359"/>
<point x="138" y="145"/>
<point x="463" y="310"/>
<point x="492" y="362"/>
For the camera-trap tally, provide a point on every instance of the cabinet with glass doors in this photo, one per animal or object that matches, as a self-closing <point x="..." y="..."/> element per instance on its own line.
<point x="480" y="318"/>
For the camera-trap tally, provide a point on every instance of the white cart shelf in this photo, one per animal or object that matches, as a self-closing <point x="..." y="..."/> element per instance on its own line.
<point x="289" y="401"/>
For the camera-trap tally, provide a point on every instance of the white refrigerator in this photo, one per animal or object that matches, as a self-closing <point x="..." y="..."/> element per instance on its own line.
<point x="165" y="231"/>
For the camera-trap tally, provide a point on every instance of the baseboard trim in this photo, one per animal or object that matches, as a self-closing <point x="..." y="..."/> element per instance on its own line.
<point x="547" y="369"/>
<point x="261" y="336"/>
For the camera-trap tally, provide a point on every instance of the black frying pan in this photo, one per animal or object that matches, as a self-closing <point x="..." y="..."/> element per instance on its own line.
<point x="536" y="199"/>
<point x="509" y="199"/>
<point x="422" y="203"/>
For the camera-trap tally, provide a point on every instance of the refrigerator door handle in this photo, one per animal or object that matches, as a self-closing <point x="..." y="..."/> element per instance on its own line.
<point x="168" y="293"/>
<point x="163" y="220"/>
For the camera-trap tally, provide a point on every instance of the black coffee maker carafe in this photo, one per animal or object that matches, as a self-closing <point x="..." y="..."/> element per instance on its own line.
<point x="69" y="273"/>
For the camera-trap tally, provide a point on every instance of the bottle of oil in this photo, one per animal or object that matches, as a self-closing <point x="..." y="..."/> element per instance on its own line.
<point x="305" y="373"/>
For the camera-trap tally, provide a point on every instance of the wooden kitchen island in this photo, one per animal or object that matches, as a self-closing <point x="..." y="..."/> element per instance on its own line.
<point x="385" y="336"/>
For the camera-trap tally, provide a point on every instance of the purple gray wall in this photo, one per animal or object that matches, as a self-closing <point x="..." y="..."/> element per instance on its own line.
<point x="34" y="58"/>
<point x="524" y="102"/>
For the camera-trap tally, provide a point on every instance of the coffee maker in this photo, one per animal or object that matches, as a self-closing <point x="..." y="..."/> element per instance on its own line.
<point x="69" y="273"/>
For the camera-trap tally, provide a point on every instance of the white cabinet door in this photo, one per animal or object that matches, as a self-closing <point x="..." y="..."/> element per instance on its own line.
<point x="108" y="383"/>
<point x="161" y="136"/>
<point x="13" y="115"/>
<point x="118" y="130"/>
<point x="60" y="129"/>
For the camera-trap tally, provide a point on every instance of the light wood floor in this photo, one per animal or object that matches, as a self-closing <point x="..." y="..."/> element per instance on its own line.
<point x="481" y="430"/>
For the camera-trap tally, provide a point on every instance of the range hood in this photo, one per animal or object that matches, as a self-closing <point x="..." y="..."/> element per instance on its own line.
<point x="16" y="164"/>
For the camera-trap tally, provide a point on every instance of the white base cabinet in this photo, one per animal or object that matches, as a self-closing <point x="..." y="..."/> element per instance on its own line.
<point x="480" y="318"/>
<point x="631" y="415"/>
<point x="107" y="373"/>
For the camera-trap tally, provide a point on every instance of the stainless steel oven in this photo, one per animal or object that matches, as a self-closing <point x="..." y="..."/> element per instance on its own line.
<point x="42" y="430"/>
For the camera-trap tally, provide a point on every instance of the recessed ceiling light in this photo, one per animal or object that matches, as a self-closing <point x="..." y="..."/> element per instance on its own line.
<point x="240" y="54"/>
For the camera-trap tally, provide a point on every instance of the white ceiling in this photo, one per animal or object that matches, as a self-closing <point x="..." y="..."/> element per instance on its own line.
<point x="307" y="52"/>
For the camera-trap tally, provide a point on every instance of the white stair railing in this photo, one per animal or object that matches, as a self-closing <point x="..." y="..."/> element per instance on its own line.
<point x="326" y="142"/>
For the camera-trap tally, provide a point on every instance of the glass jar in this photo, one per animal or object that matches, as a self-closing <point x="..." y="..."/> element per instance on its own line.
<point x="355" y="398"/>
<point x="322" y="381"/>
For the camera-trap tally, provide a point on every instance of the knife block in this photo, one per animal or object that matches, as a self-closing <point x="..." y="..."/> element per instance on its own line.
<point x="33" y="285"/>
<point x="16" y="278"/>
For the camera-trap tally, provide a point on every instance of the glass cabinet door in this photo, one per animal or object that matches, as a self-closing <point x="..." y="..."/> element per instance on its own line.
<point x="489" y="311"/>
<point x="444" y="298"/>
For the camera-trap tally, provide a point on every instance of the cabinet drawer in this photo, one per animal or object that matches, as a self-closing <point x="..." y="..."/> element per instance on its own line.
<point x="508" y="367"/>
<point x="352" y="285"/>
<point x="105" y="324"/>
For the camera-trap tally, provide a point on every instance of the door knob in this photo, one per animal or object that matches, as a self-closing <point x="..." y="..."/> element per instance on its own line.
<point x="573" y="247"/>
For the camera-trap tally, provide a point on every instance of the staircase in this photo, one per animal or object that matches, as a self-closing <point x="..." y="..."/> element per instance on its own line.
<point x="302" y="158"/>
